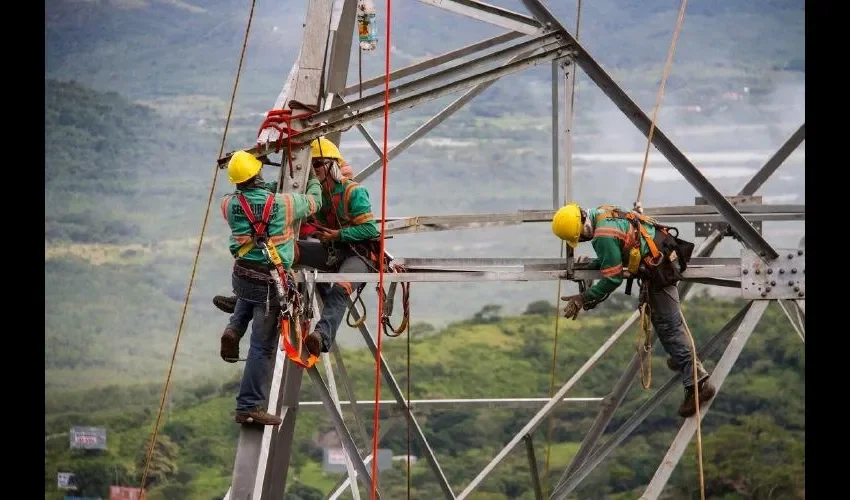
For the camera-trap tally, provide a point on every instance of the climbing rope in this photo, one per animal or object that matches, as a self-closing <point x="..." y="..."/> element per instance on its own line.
<point x="696" y="405"/>
<point x="667" y="65"/>
<point x="149" y="455"/>
<point x="378" y="357"/>
<point x="405" y="304"/>
<point x="551" y="424"/>
<point x="407" y="405"/>
<point x="644" y="344"/>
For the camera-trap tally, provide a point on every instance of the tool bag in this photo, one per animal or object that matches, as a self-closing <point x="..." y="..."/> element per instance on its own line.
<point x="675" y="254"/>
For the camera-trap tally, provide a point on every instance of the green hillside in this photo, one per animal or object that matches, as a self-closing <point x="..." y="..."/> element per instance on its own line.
<point x="759" y="412"/>
<point x="186" y="53"/>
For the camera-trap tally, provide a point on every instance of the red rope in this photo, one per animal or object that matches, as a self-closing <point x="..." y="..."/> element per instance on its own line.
<point x="381" y="259"/>
<point x="273" y="118"/>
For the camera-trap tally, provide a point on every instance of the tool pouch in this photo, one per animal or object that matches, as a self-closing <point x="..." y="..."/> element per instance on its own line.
<point x="675" y="252"/>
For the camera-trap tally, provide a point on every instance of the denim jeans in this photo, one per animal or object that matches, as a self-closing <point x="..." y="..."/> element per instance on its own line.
<point x="258" y="304"/>
<point x="334" y="296"/>
<point x="665" y="311"/>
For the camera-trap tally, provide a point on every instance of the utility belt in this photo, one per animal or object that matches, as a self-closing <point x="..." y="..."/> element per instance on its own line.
<point x="257" y="272"/>
<point x="368" y="251"/>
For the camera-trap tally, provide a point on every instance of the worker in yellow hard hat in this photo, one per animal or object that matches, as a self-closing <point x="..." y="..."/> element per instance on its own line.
<point x="256" y="213"/>
<point x="629" y="245"/>
<point x="342" y="237"/>
<point x="345" y="240"/>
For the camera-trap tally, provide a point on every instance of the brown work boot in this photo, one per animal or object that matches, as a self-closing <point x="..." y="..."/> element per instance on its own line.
<point x="257" y="416"/>
<point x="706" y="392"/>
<point x="313" y="342"/>
<point x="226" y="304"/>
<point x="230" y="345"/>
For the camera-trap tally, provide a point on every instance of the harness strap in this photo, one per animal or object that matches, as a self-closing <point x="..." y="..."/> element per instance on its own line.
<point x="259" y="227"/>
<point x="636" y="221"/>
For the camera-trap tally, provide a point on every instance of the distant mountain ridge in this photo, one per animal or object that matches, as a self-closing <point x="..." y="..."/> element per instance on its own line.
<point x="158" y="48"/>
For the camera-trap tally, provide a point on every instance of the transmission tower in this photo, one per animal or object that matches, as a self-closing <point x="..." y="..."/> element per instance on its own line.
<point x="315" y="93"/>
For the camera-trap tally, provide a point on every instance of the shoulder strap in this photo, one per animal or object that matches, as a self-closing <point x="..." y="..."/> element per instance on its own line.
<point x="259" y="227"/>
<point x="636" y="220"/>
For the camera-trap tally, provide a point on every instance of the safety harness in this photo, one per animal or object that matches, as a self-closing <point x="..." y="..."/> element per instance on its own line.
<point x="369" y="253"/>
<point x="633" y="265"/>
<point x="667" y="259"/>
<point x="292" y="304"/>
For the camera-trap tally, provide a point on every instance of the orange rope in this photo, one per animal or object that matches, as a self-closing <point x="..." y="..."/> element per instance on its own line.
<point x="378" y="358"/>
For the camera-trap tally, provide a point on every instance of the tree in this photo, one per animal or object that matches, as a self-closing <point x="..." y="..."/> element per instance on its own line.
<point x="163" y="462"/>
<point x="540" y="308"/>
<point x="300" y="491"/>
<point x="488" y="314"/>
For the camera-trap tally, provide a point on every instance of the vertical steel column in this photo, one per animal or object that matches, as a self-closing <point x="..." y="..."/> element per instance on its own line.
<point x="303" y="85"/>
<point x="569" y="98"/>
<point x="340" y="57"/>
<point x="555" y="110"/>
<point x="724" y="366"/>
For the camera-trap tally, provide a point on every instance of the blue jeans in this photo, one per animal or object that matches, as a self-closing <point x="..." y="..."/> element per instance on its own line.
<point x="666" y="318"/>
<point x="256" y="303"/>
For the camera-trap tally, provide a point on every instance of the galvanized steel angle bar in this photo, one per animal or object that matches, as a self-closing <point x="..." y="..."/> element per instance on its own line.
<point x="396" y="391"/>
<point x="336" y="418"/>
<point x="435" y="61"/>
<point x="538" y="417"/>
<point x="664" y="145"/>
<point x="545" y="42"/>
<point x="490" y="14"/>
<point x="573" y="476"/>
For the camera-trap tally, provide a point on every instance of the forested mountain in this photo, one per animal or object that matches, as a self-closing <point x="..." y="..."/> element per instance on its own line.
<point x="752" y="437"/>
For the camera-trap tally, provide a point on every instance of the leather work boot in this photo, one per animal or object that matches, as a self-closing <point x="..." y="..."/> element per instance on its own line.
<point x="226" y="304"/>
<point x="313" y="342"/>
<point x="230" y="345"/>
<point x="257" y="416"/>
<point x="706" y="392"/>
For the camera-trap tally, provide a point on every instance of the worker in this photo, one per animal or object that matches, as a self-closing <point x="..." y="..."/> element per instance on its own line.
<point x="342" y="238"/>
<point x="308" y="227"/>
<point x="347" y="240"/>
<point x="274" y="217"/>
<point x="620" y="238"/>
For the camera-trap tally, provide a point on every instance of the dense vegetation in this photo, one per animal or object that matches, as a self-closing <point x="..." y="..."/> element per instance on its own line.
<point x="758" y="413"/>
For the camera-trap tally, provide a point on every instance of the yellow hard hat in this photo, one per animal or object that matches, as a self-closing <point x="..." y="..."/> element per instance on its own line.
<point x="242" y="166"/>
<point x="324" y="148"/>
<point x="566" y="224"/>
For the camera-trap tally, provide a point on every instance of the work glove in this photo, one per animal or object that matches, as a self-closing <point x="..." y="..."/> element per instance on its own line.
<point x="574" y="305"/>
